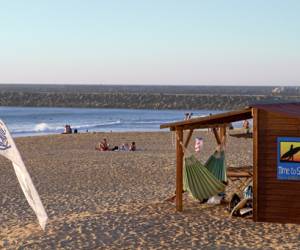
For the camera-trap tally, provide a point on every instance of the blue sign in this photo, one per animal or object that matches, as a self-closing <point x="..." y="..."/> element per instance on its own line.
<point x="288" y="158"/>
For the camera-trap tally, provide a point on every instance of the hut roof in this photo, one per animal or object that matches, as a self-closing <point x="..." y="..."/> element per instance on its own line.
<point x="211" y="120"/>
<point x="290" y="109"/>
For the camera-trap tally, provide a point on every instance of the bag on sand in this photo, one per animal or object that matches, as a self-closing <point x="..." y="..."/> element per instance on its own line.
<point x="235" y="199"/>
<point x="248" y="192"/>
<point x="215" y="200"/>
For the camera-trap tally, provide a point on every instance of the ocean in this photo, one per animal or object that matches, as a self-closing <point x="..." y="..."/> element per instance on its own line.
<point x="27" y="121"/>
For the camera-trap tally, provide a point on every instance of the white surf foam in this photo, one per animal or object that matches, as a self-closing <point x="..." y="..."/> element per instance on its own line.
<point x="42" y="127"/>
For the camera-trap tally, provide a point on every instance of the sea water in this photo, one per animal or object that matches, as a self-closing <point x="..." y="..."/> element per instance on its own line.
<point x="27" y="121"/>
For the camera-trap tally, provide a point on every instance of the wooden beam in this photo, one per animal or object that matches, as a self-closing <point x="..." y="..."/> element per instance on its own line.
<point x="188" y="138"/>
<point x="214" y="125"/>
<point x="193" y="127"/>
<point x="217" y="136"/>
<point x="222" y="118"/>
<point x="179" y="169"/>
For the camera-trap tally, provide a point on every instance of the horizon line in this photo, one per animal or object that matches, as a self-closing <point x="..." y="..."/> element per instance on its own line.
<point x="166" y="85"/>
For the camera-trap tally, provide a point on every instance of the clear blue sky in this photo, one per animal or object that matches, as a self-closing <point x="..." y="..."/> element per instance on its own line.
<point x="150" y="42"/>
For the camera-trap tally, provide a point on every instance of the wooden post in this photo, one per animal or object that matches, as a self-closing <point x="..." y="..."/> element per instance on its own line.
<point x="179" y="169"/>
<point x="188" y="138"/>
<point x="222" y="132"/>
<point x="217" y="136"/>
<point x="255" y="163"/>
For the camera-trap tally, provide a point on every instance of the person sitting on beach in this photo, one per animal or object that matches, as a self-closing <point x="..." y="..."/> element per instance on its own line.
<point x="246" y="126"/>
<point x="68" y="129"/>
<point x="103" y="146"/>
<point x="65" y="130"/>
<point x="132" y="147"/>
<point x="186" y="116"/>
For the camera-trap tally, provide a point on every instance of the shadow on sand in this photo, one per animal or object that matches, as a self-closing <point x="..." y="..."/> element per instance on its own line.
<point x="242" y="135"/>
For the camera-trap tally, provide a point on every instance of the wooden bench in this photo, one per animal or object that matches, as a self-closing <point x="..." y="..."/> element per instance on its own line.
<point x="241" y="174"/>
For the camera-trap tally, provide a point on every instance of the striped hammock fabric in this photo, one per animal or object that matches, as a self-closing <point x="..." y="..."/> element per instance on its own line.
<point x="199" y="181"/>
<point x="216" y="165"/>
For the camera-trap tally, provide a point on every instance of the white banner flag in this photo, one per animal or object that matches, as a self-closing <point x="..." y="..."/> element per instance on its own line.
<point x="9" y="150"/>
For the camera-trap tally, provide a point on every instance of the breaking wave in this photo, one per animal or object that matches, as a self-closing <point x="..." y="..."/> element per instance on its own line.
<point x="42" y="127"/>
<point x="55" y="128"/>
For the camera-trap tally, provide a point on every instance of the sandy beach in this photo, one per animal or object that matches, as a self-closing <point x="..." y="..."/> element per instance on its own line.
<point x="117" y="200"/>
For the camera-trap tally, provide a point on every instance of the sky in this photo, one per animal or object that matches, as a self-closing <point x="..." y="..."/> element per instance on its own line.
<point x="218" y="42"/>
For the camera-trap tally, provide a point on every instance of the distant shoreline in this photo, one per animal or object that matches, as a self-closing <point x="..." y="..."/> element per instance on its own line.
<point x="137" y="100"/>
<point x="143" y="97"/>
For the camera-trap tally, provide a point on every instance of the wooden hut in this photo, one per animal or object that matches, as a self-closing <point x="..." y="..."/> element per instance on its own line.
<point x="276" y="180"/>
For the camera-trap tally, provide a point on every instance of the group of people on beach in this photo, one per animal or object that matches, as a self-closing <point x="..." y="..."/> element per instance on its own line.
<point x="68" y="130"/>
<point x="104" y="146"/>
<point x="188" y="116"/>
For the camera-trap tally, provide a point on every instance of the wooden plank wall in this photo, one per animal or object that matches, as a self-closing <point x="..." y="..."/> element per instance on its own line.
<point x="276" y="200"/>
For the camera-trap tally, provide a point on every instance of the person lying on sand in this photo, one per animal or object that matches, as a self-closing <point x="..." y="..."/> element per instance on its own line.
<point x="115" y="148"/>
<point x="124" y="147"/>
<point x="103" y="145"/>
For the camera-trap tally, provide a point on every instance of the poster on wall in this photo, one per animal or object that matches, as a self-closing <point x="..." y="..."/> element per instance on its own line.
<point x="288" y="161"/>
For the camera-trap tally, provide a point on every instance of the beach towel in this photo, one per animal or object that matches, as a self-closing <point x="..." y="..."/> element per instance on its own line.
<point x="199" y="181"/>
<point x="216" y="165"/>
<point x="9" y="150"/>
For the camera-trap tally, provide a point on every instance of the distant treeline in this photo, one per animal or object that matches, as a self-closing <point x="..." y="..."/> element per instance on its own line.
<point x="137" y="99"/>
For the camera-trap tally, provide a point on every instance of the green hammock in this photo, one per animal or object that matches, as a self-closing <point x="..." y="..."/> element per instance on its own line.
<point x="199" y="181"/>
<point x="216" y="165"/>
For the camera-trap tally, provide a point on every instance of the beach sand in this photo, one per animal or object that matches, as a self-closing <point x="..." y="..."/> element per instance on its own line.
<point x="116" y="200"/>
